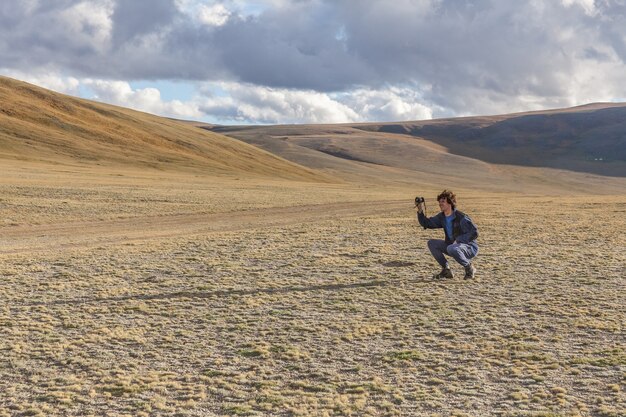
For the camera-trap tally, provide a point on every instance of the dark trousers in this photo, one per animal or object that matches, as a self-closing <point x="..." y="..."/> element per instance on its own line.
<point x="461" y="252"/>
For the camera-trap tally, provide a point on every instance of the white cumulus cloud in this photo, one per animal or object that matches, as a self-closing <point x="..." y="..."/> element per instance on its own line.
<point x="588" y="6"/>
<point x="215" y="15"/>
<point x="89" y="23"/>
<point x="247" y="103"/>
<point x="231" y="102"/>
<point x="46" y="79"/>
<point x="145" y="99"/>
<point x="391" y="104"/>
<point x="209" y="13"/>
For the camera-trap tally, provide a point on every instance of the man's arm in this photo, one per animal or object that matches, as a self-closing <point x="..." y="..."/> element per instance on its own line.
<point x="429" y="222"/>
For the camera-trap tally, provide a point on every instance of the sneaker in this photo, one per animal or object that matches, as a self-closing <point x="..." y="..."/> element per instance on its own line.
<point x="470" y="271"/>
<point x="445" y="273"/>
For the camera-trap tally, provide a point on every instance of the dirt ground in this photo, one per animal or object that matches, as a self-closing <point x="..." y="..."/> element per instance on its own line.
<point x="197" y="299"/>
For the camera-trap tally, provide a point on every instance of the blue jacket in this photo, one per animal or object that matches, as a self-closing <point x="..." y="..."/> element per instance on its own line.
<point x="463" y="229"/>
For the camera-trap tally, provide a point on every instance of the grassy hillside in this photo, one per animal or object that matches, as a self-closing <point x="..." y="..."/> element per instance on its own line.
<point x="38" y="125"/>
<point x="589" y="138"/>
<point x="391" y="154"/>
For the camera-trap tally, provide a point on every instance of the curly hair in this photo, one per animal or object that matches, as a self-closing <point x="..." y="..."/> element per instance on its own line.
<point x="449" y="196"/>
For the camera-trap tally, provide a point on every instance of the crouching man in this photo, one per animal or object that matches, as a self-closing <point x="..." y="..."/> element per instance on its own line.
<point x="460" y="235"/>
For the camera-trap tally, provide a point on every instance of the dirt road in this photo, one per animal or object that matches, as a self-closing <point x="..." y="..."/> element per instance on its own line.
<point x="51" y="237"/>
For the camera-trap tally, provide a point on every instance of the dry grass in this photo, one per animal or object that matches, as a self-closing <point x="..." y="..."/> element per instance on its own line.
<point x="140" y="278"/>
<point x="298" y="314"/>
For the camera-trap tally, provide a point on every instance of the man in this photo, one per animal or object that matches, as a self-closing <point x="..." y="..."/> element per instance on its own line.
<point x="460" y="235"/>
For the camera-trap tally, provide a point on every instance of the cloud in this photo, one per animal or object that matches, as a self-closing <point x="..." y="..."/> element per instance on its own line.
<point x="245" y="103"/>
<point x="216" y="15"/>
<point x="88" y="24"/>
<point x="206" y="13"/>
<point x="57" y="33"/>
<point x="144" y="99"/>
<point x="230" y="102"/>
<point x="391" y="104"/>
<point x="135" y="19"/>
<point x="588" y="5"/>
<point x="46" y="79"/>
<point x="425" y="57"/>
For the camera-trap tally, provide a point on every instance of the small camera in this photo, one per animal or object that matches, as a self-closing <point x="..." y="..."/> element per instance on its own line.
<point x="419" y="200"/>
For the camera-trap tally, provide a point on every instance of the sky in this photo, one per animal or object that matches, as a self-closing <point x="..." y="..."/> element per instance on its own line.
<point x="320" y="61"/>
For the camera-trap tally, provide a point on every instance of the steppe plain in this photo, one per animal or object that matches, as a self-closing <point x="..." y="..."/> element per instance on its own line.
<point x="136" y="290"/>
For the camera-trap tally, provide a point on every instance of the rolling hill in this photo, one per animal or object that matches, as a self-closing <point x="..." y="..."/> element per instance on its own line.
<point x="590" y="138"/>
<point x="41" y="126"/>
<point x="571" y="149"/>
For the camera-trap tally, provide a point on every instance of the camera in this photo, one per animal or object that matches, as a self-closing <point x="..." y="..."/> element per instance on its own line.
<point x="419" y="200"/>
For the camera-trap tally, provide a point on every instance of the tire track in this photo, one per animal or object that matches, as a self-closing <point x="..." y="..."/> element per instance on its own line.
<point x="59" y="236"/>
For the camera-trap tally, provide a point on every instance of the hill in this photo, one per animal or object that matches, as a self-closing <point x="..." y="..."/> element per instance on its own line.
<point x="590" y="138"/>
<point x="528" y="152"/>
<point x="564" y="150"/>
<point x="38" y="125"/>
